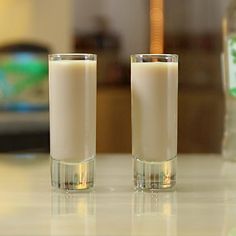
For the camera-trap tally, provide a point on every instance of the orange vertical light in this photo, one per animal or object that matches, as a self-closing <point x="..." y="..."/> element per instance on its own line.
<point x="156" y="26"/>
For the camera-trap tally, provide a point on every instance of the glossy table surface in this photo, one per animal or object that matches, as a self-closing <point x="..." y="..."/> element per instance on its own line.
<point x="203" y="204"/>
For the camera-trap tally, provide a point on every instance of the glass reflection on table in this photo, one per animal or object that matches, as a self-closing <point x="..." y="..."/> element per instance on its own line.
<point x="73" y="213"/>
<point x="229" y="215"/>
<point x="154" y="209"/>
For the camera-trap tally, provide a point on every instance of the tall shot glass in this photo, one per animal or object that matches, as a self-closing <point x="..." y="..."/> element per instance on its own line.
<point x="154" y="92"/>
<point x="72" y="104"/>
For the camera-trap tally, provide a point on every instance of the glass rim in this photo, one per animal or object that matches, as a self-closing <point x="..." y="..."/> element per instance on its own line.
<point x="168" y="57"/>
<point x="72" y="56"/>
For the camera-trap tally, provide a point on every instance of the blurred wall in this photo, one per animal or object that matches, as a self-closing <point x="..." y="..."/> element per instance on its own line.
<point x="129" y="19"/>
<point x="195" y="16"/>
<point x="43" y="21"/>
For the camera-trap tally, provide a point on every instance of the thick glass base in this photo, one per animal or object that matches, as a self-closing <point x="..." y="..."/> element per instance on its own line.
<point x="229" y="157"/>
<point x="72" y="176"/>
<point x="229" y="146"/>
<point x="155" y="175"/>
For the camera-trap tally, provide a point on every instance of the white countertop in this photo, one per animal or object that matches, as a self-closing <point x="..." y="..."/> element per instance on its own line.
<point x="204" y="203"/>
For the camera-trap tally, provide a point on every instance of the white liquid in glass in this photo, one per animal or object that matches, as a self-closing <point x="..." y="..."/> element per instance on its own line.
<point x="154" y="110"/>
<point x="72" y="86"/>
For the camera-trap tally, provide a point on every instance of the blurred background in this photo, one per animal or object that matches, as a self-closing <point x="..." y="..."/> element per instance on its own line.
<point x="30" y="29"/>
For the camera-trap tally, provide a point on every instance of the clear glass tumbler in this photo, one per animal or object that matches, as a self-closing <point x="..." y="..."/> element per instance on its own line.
<point x="154" y="90"/>
<point x="72" y="103"/>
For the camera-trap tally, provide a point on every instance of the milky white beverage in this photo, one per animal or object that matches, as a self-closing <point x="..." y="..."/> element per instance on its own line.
<point x="154" y="110"/>
<point x="72" y="90"/>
